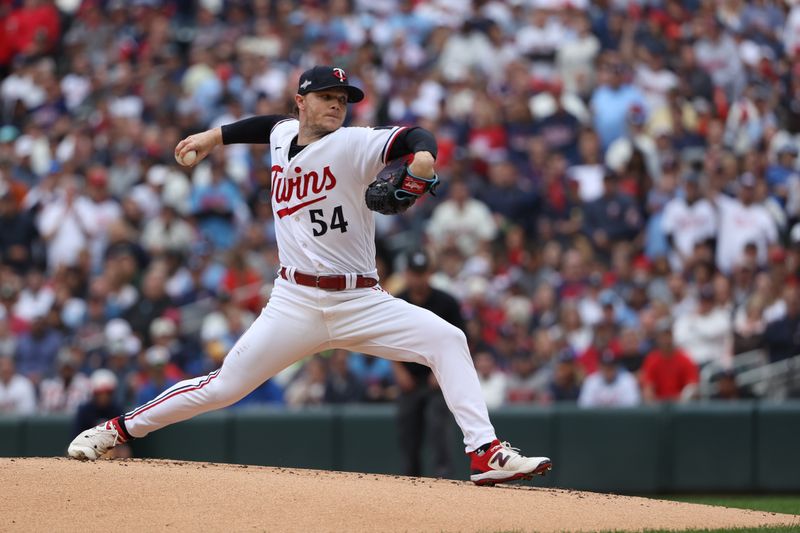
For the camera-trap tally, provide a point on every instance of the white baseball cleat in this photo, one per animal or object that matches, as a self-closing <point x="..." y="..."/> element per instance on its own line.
<point x="95" y="442"/>
<point x="502" y="463"/>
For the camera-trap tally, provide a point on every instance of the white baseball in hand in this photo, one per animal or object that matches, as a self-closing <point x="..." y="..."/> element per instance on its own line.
<point x="186" y="160"/>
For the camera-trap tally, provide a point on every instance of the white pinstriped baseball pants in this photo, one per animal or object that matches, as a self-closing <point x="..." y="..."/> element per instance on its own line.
<point x="300" y="321"/>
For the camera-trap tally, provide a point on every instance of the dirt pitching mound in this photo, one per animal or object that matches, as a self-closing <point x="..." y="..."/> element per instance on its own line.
<point x="58" y="494"/>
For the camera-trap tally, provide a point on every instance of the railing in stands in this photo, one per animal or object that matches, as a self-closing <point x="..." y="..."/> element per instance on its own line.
<point x="774" y="381"/>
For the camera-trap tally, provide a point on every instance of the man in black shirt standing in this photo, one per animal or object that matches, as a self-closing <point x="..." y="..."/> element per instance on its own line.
<point x="421" y="406"/>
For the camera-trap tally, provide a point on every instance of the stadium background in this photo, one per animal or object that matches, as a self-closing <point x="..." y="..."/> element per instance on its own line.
<point x="567" y="132"/>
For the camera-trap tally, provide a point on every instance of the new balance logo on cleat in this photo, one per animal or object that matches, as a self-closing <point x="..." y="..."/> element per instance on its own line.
<point x="502" y="463"/>
<point x="500" y="459"/>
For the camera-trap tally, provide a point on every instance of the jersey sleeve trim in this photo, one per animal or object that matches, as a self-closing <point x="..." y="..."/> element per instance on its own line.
<point x="287" y="119"/>
<point x="387" y="147"/>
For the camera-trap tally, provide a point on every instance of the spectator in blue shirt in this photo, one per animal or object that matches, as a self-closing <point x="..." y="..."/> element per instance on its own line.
<point x="268" y="393"/>
<point x="157" y="381"/>
<point x="375" y="373"/>
<point x="778" y="174"/>
<point x="217" y="207"/>
<point x="37" y="349"/>
<point x="611" y="101"/>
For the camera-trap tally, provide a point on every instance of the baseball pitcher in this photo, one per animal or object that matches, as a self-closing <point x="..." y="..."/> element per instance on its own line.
<point x="327" y="294"/>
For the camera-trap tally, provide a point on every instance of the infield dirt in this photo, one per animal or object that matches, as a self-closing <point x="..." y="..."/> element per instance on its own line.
<point x="57" y="494"/>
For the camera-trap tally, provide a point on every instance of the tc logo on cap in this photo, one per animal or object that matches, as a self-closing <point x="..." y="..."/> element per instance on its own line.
<point x="324" y="77"/>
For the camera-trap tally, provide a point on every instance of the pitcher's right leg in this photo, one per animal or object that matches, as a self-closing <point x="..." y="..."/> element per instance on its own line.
<point x="280" y="336"/>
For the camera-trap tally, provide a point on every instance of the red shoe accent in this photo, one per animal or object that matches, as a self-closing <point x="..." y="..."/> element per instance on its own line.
<point x="479" y="462"/>
<point x="114" y="422"/>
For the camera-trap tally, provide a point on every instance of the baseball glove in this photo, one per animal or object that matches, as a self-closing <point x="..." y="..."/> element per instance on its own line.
<point x="396" y="189"/>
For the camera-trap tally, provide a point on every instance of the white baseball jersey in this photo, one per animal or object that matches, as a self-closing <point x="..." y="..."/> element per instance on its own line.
<point x="688" y="225"/>
<point x="321" y="220"/>
<point x="622" y="392"/>
<point x="740" y="225"/>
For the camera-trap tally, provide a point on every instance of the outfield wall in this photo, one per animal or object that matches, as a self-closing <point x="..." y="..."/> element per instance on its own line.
<point x="709" y="447"/>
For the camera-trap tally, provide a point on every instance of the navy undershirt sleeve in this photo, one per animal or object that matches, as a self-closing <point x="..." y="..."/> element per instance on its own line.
<point x="412" y="140"/>
<point x="253" y="130"/>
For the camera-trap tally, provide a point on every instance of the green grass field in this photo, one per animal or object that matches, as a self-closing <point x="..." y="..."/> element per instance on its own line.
<point x="734" y="530"/>
<point x="789" y="504"/>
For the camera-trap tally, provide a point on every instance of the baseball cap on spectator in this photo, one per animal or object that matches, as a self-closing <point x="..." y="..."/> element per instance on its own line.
<point x="642" y="263"/>
<point x="157" y="175"/>
<point x="777" y="255"/>
<point x="97" y="177"/>
<point x="162" y="327"/>
<point x="157" y="355"/>
<point x="787" y="149"/>
<point x="418" y="261"/>
<point x="476" y="287"/>
<point x="518" y="310"/>
<point x="636" y="115"/>
<point x="8" y="134"/>
<point x="324" y="77"/>
<point x="794" y="235"/>
<point x="103" y="380"/>
<point x="214" y="327"/>
<point x="119" y="337"/>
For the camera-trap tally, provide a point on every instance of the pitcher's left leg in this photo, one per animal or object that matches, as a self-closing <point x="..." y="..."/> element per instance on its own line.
<point x="399" y="331"/>
<point x="379" y="324"/>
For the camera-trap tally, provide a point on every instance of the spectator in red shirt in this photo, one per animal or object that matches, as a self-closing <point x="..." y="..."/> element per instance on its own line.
<point x="668" y="373"/>
<point x="242" y="282"/>
<point x="32" y="29"/>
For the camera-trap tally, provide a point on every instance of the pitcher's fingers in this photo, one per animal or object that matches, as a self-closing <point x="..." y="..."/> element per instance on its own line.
<point x="180" y="148"/>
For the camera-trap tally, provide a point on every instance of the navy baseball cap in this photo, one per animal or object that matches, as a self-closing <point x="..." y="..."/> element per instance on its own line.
<point x="418" y="261"/>
<point x="324" y="77"/>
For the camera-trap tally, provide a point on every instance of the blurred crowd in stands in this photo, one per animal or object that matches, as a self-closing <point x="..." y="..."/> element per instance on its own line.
<point x="619" y="214"/>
